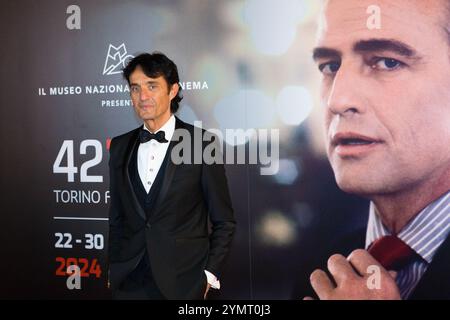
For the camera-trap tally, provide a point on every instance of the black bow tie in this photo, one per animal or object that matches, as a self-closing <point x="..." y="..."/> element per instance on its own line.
<point x="145" y="136"/>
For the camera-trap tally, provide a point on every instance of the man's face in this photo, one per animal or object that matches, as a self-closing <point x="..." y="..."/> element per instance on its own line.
<point x="387" y="94"/>
<point x="151" y="96"/>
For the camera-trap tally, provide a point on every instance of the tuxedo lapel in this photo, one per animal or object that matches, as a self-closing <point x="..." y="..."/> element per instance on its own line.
<point x="168" y="172"/>
<point x="129" y="186"/>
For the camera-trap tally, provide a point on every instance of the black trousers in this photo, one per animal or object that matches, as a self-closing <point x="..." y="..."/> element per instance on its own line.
<point x="139" y="284"/>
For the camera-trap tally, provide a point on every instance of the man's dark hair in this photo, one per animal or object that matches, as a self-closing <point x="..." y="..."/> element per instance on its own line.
<point x="154" y="65"/>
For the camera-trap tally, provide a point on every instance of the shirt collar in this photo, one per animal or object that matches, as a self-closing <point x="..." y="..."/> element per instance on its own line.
<point x="168" y="128"/>
<point x="424" y="233"/>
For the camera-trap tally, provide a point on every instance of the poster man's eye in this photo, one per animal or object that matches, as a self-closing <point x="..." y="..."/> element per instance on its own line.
<point x="386" y="64"/>
<point x="329" y="68"/>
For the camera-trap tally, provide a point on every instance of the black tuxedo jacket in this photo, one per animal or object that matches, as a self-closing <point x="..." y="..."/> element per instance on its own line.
<point x="434" y="284"/>
<point x="176" y="235"/>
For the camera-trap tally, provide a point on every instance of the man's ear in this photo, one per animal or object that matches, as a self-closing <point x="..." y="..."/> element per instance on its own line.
<point x="174" y="90"/>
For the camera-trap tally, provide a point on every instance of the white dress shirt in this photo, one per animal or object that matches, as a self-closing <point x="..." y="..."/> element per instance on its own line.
<point x="151" y="154"/>
<point x="149" y="160"/>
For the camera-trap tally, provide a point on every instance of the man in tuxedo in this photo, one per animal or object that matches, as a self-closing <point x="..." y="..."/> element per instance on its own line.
<point x="386" y="90"/>
<point x="160" y="245"/>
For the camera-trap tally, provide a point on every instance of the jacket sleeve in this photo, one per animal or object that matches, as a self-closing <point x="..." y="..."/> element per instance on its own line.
<point x="115" y="211"/>
<point x="220" y="212"/>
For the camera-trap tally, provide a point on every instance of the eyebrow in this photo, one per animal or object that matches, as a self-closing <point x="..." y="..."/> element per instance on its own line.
<point x="365" y="46"/>
<point x="148" y="82"/>
<point x="374" y="45"/>
<point x="324" y="53"/>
